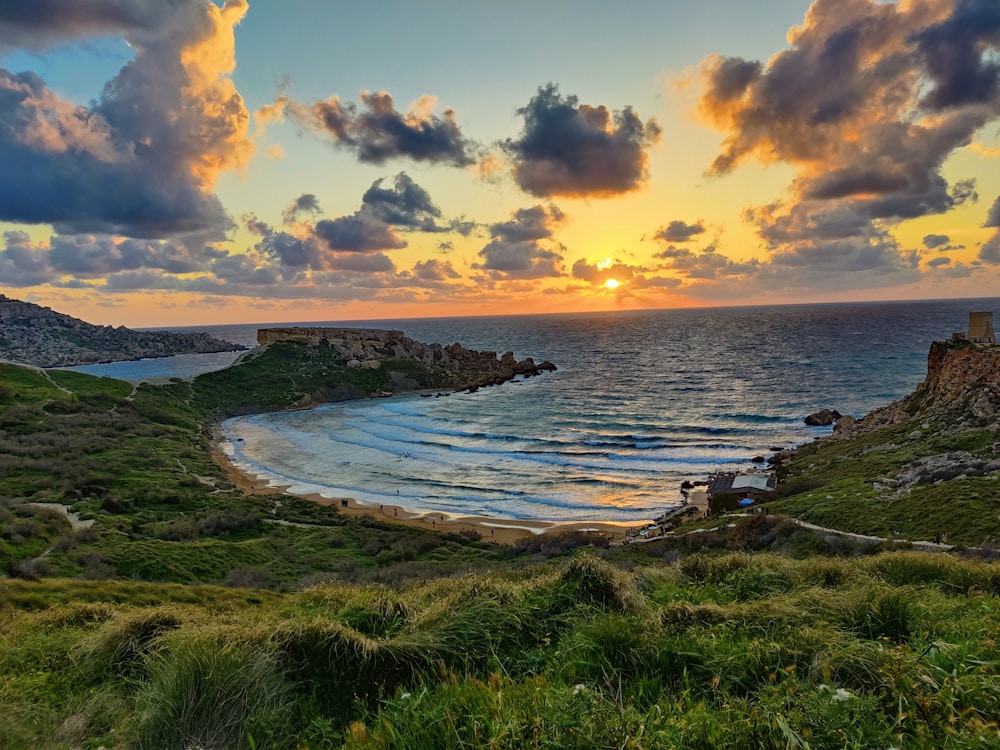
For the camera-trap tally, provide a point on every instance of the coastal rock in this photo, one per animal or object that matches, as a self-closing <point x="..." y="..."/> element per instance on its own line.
<point x="844" y="423"/>
<point x="962" y="383"/>
<point x="822" y="418"/>
<point x="372" y="348"/>
<point x="36" y="335"/>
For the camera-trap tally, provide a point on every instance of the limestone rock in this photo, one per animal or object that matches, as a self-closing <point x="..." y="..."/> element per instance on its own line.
<point x="822" y="418"/>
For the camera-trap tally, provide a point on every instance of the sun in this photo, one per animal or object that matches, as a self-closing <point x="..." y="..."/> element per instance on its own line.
<point x="612" y="283"/>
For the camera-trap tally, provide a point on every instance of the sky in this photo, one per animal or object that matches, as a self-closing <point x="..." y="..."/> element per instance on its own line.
<point x="189" y="162"/>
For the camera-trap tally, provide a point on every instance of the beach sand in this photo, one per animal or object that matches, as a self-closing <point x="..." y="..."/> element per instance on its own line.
<point x="500" y="530"/>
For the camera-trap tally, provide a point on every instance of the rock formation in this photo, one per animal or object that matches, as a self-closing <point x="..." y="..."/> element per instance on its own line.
<point x="370" y="347"/>
<point x="822" y="418"/>
<point x="35" y="335"/>
<point x="962" y="382"/>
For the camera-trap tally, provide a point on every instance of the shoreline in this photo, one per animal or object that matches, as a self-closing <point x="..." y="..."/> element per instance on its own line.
<point x="490" y="529"/>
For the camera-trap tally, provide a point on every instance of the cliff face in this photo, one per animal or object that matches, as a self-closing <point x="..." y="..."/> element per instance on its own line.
<point x="962" y="383"/>
<point x="960" y="374"/>
<point x="35" y="335"/>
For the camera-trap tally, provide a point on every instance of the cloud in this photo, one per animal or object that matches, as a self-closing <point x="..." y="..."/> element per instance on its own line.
<point x="379" y="132"/>
<point x="307" y="203"/>
<point x="85" y="256"/>
<point x="993" y="217"/>
<point x="143" y="158"/>
<point x="932" y="241"/>
<point x="435" y="270"/>
<point x="679" y="231"/>
<point x="522" y="248"/>
<point x="953" y="52"/>
<point x="601" y="272"/>
<point x="383" y="211"/>
<point x="39" y="24"/>
<point x="939" y="261"/>
<point x="865" y="116"/>
<point x="989" y="251"/>
<point x="573" y="149"/>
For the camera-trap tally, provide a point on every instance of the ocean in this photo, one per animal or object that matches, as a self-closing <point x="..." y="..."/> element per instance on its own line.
<point x="642" y="401"/>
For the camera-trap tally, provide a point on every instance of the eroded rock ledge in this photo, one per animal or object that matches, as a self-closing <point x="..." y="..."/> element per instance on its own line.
<point x="370" y="348"/>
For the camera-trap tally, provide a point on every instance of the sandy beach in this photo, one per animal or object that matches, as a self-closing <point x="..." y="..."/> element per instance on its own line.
<point x="500" y="530"/>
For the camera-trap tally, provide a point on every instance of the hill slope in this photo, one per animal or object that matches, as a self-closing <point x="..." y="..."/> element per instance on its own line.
<point x="924" y="467"/>
<point x="36" y="335"/>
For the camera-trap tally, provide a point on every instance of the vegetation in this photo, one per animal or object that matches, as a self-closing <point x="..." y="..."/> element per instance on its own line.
<point x="896" y="482"/>
<point x="192" y="615"/>
<point x="896" y="650"/>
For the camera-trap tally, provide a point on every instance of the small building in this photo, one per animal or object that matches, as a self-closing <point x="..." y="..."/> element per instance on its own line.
<point x="981" y="328"/>
<point x="757" y="486"/>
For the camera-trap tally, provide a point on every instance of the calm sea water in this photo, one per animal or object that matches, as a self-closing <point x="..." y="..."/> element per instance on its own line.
<point x="641" y="402"/>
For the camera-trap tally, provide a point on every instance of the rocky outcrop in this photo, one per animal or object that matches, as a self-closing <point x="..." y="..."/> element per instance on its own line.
<point x="962" y="384"/>
<point x="35" y="335"/>
<point x="822" y="418"/>
<point x="369" y="348"/>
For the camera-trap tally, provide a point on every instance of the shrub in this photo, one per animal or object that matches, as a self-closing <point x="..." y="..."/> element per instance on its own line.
<point x="250" y="578"/>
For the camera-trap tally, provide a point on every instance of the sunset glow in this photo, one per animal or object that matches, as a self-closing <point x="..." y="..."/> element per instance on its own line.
<point x="681" y="157"/>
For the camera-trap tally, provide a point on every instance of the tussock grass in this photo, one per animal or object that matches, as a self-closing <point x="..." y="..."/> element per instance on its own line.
<point x="122" y="647"/>
<point x="753" y="651"/>
<point x="589" y="580"/>
<point x="211" y="691"/>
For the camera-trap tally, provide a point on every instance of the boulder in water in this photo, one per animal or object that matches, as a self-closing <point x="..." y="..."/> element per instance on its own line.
<point x="822" y="418"/>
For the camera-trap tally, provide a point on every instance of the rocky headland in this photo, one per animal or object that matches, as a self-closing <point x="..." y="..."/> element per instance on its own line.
<point x="35" y="335"/>
<point x="949" y="426"/>
<point x="371" y="348"/>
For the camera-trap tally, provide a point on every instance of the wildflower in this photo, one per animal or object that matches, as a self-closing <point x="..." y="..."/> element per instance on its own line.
<point x="404" y="696"/>
<point x="579" y="688"/>
<point x="841" y="695"/>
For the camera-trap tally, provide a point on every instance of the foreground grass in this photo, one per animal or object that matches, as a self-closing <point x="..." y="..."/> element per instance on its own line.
<point x="894" y="650"/>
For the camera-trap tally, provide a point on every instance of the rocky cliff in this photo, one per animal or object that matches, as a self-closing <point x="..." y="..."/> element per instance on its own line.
<point x="962" y="385"/>
<point x="369" y="348"/>
<point x="35" y="335"/>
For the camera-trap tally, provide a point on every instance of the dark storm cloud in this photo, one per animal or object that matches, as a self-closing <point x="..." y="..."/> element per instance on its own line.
<point x="568" y="148"/>
<point x="522" y="247"/>
<point x="932" y="241"/>
<point x="679" y="231"/>
<point x="379" y="132"/>
<point x="307" y="203"/>
<point x="141" y="160"/>
<point x="953" y="53"/>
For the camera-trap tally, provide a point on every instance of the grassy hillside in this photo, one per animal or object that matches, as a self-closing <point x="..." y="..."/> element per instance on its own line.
<point x="138" y="464"/>
<point x="897" y="650"/>
<point x="191" y="615"/>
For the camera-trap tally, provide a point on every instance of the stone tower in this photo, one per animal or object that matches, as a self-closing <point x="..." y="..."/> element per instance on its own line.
<point x="981" y="328"/>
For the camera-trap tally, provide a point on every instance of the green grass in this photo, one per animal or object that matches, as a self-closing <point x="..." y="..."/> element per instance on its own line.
<point x="732" y="651"/>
